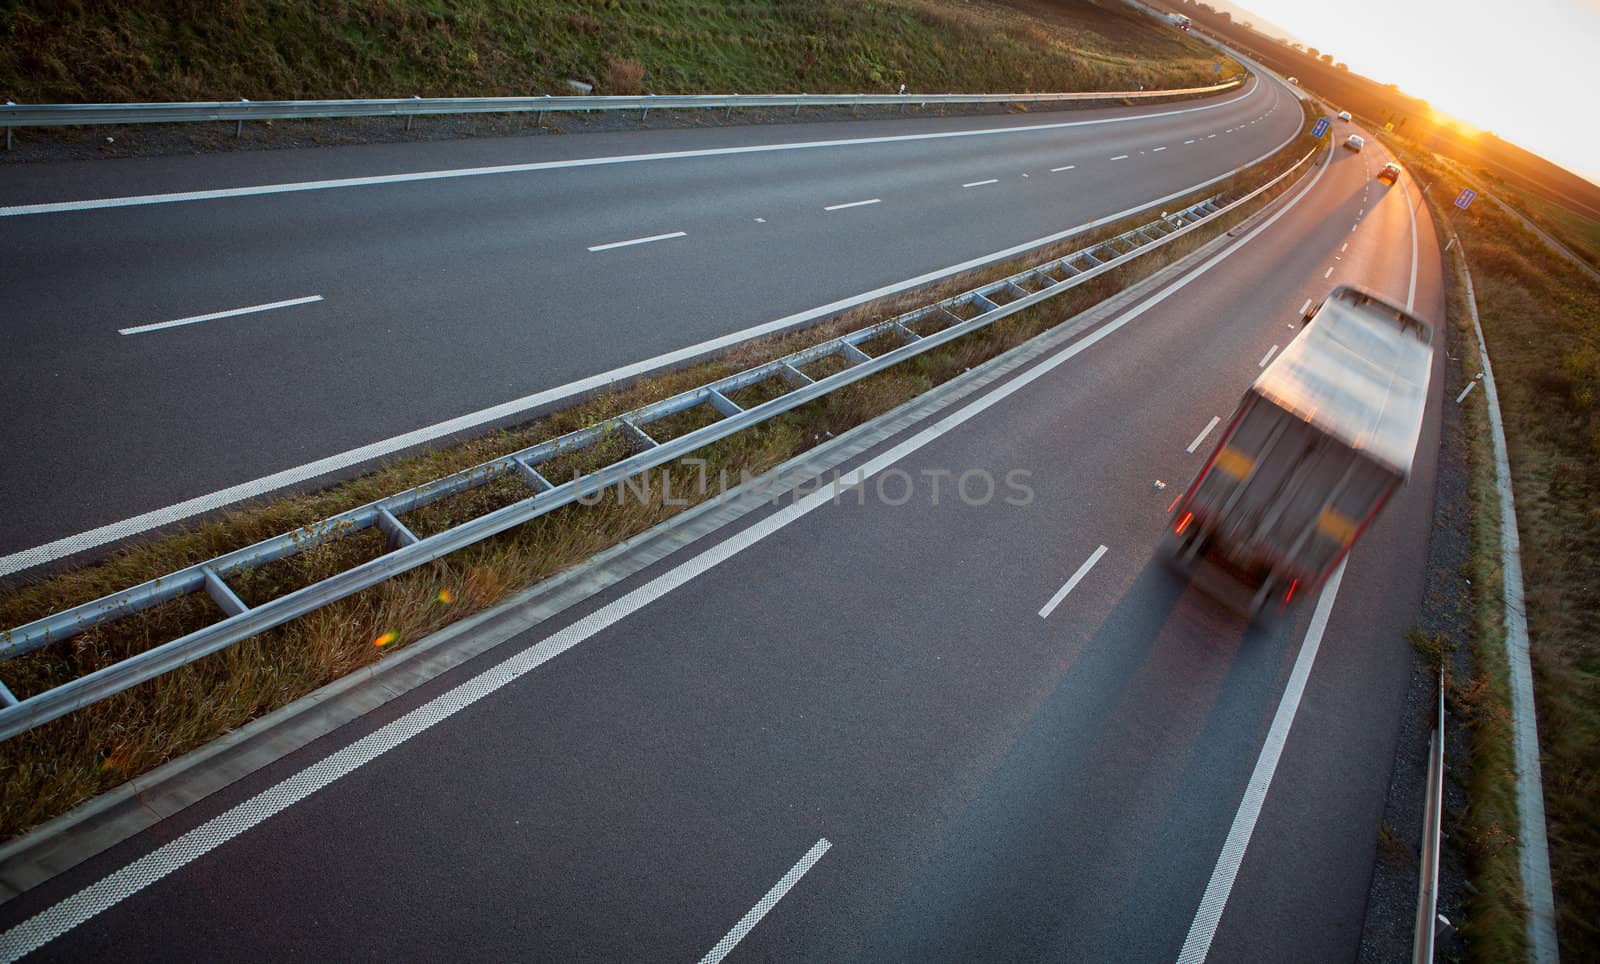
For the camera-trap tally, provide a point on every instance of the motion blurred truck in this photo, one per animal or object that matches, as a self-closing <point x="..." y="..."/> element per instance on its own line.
<point x="1321" y="440"/>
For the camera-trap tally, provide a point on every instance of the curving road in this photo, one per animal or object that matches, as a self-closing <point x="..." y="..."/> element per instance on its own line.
<point x="452" y="296"/>
<point x="929" y="730"/>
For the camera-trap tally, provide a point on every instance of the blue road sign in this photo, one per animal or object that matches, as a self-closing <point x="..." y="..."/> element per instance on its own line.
<point x="1465" y="198"/>
<point x="1321" y="128"/>
<point x="1216" y="68"/>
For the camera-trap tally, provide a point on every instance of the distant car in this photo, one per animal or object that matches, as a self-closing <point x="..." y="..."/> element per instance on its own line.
<point x="1344" y="115"/>
<point x="1354" y="143"/>
<point x="1390" y="173"/>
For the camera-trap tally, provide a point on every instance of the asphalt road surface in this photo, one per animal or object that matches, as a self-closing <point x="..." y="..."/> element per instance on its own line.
<point x="858" y="712"/>
<point x="446" y="296"/>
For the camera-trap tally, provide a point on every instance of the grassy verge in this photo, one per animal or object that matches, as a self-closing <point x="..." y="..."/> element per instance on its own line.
<point x="49" y="770"/>
<point x="1541" y="319"/>
<point x="143" y="50"/>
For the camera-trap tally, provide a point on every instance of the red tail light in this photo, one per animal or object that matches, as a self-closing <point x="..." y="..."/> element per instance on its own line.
<point x="1183" y="523"/>
<point x="1289" y="596"/>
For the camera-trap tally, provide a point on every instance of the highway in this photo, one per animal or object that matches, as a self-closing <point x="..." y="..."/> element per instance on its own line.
<point x="426" y="296"/>
<point x="931" y="730"/>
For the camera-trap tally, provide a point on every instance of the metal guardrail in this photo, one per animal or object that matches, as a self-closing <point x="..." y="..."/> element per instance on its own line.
<point x="943" y="322"/>
<point x="1432" y="821"/>
<point x="64" y="115"/>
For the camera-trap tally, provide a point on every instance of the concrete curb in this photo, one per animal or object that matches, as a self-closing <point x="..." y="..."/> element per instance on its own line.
<point x="1532" y="845"/>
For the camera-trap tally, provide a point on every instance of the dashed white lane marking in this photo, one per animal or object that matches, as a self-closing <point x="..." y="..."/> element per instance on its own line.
<point x="992" y="180"/>
<point x="1354" y="226"/>
<point x="748" y="922"/>
<point x="230" y="313"/>
<point x="1329" y="272"/>
<point x="1189" y="141"/>
<point x="1305" y="307"/>
<point x="633" y="241"/>
<point x="852" y="204"/>
<point x="1203" y="433"/>
<point x="1072" y="583"/>
<point x="296" y="186"/>
<point x="1267" y="357"/>
<point x="1158" y="149"/>
<point x="1342" y="247"/>
<point x="1120" y="157"/>
<point x="1057" y="170"/>
<point x="1464" y="391"/>
<point x="1209" y="136"/>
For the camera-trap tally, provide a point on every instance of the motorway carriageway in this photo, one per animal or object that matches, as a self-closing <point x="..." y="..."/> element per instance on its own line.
<point x="875" y="731"/>
<point x="172" y="357"/>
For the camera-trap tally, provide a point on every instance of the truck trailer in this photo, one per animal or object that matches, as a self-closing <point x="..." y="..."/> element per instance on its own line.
<point x="1316" y="447"/>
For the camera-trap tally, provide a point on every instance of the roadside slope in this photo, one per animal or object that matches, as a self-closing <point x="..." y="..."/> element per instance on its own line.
<point x="166" y="50"/>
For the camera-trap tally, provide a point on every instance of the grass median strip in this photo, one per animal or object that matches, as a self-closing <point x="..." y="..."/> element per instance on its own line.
<point x="48" y="770"/>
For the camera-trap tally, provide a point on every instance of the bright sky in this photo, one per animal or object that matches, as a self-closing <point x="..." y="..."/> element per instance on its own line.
<point x="1527" y="70"/>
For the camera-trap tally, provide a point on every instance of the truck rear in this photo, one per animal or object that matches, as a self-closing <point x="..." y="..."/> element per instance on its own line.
<point x="1313" y="452"/>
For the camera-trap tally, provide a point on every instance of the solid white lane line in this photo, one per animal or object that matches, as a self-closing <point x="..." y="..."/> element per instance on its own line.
<point x="1204" y="927"/>
<point x="1305" y="308"/>
<point x="1329" y="272"/>
<point x="93" y="900"/>
<point x="1267" y="357"/>
<point x="748" y="922"/>
<point x="230" y="313"/>
<point x="1158" y="150"/>
<point x="57" y="207"/>
<point x="852" y="204"/>
<point x="1061" y="593"/>
<point x="992" y="180"/>
<point x="210" y="501"/>
<point x="1203" y="433"/>
<point x="634" y="241"/>
<point x="1057" y="170"/>
<point x="1465" y="391"/>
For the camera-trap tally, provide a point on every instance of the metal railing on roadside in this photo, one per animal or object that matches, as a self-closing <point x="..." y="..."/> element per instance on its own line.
<point x="1432" y="822"/>
<point x="916" y="332"/>
<point x="13" y="116"/>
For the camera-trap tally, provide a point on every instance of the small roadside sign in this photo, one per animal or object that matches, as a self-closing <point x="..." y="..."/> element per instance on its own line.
<point x="1321" y="128"/>
<point x="1465" y="198"/>
<point x="1216" y="68"/>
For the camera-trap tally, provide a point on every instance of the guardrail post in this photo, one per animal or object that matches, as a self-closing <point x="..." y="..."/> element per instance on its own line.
<point x="411" y="117"/>
<point x="12" y="103"/>
<point x="238" y="129"/>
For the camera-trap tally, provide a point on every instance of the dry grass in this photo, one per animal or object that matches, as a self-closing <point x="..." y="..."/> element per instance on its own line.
<point x="1541" y="319"/>
<point x="51" y="769"/>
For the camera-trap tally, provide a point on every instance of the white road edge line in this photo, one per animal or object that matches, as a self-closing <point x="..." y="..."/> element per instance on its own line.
<point x="748" y="922"/>
<point x="57" y="207"/>
<point x="992" y="180"/>
<point x="853" y="204"/>
<point x="230" y="313"/>
<point x="1466" y="391"/>
<point x="1267" y="357"/>
<point x="1203" y="433"/>
<point x="1072" y="583"/>
<point x="1197" y="944"/>
<point x="633" y="241"/>
<point x="210" y="501"/>
<point x="58" y="919"/>
<point x="1057" y="170"/>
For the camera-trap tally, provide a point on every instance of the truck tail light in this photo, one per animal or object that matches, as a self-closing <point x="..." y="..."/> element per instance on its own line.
<point x="1183" y="523"/>
<point x="1288" y="597"/>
